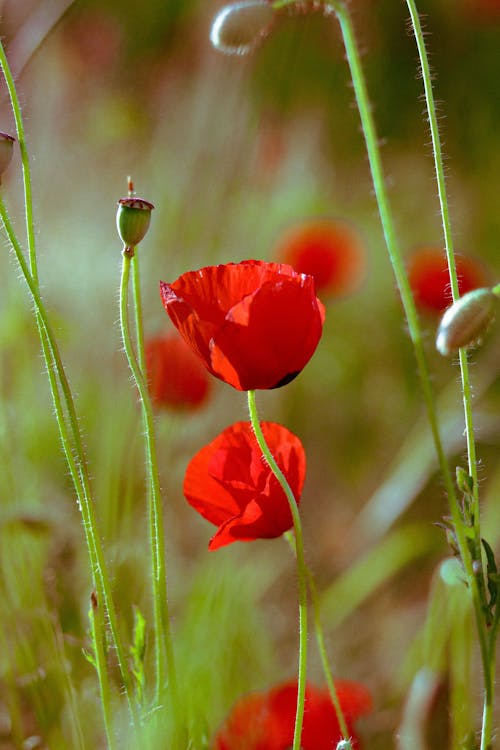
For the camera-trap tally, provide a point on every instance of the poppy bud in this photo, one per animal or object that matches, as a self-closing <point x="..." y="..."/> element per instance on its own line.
<point x="465" y="321"/>
<point x="132" y="220"/>
<point x="6" y="150"/>
<point x="238" y="28"/>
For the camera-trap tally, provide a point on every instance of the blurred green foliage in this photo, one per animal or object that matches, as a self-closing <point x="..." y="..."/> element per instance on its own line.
<point x="231" y="151"/>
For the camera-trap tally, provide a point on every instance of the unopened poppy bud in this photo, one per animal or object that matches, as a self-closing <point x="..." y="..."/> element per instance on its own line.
<point x="6" y="150"/>
<point x="238" y="28"/>
<point x="466" y="320"/>
<point x="132" y="220"/>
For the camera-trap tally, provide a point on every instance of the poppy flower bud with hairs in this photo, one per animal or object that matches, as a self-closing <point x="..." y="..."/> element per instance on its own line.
<point x="6" y="151"/>
<point x="240" y="27"/>
<point x="466" y="320"/>
<point x="133" y="219"/>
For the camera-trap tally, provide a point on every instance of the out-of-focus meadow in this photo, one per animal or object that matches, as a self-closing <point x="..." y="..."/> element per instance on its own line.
<point x="232" y="151"/>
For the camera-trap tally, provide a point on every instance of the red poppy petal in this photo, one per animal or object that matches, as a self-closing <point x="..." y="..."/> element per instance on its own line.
<point x="230" y="485"/>
<point x="253" y="523"/>
<point x="269" y="337"/>
<point x="354" y="698"/>
<point x="248" y="727"/>
<point x="240" y="319"/>
<point x="266" y="721"/>
<point x="204" y="493"/>
<point x="195" y="331"/>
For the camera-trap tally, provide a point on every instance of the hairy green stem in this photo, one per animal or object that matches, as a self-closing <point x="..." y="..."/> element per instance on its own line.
<point x="28" y="202"/>
<point x="73" y="451"/>
<point x="476" y="581"/>
<point x="339" y="9"/>
<point x="98" y="639"/>
<point x="301" y="566"/>
<point x="139" y="328"/>
<point x="78" y="468"/>
<point x="164" y="653"/>
<point x="320" y="642"/>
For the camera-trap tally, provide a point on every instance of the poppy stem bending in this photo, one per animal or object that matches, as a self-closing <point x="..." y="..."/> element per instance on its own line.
<point x="164" y="653"/>
<point x="320" y="641"/>
<point x="301" y="566"/>
<point x="476" y="581"/>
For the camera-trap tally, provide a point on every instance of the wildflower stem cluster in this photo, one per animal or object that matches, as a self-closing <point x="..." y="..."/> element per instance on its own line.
<point x="475" y="580"/>
<point x="62" y="397"/>
<point x="475" y="577"/>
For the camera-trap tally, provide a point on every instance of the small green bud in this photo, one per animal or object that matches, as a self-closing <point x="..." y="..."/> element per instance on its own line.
<point x="240" y="27"/>
<point x="132" y="220"/>
<point x="452" y="572"/>
<point x="465" y="321"/>
<point x="465" y="482"/>
<point x="6" y="151"/>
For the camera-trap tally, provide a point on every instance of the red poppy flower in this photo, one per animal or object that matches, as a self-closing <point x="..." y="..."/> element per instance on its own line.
<point x="430" y="282"/>
<point x="232" y="487"/>
<point x="482" y="10"/>
<point x="254" y="324"/>
<point x="265" y="721"/>
<point x="176" y="377"/>
<point x="331" y="251"/>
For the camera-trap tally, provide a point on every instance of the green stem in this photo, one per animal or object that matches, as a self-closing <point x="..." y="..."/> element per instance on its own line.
<point x="164" y="653"/>
<point x="477" y="581"/>
<point x="139" y="328"/>
<point x="77" y="466"/>
<point x="301" y="566"/>
<point x="28" y="202"/>
<point x="98" y="641"/>
<point x="338" y="8"/>
<point x="320" y="642"/>
<point x="78" y="469"/>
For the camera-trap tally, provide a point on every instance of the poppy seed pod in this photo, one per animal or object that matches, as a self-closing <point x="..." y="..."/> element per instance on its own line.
<point x="132" y="220"/>
<point x="238" y="28"/>
<point x="6" y="151"/>
<point x="465" y="321"/>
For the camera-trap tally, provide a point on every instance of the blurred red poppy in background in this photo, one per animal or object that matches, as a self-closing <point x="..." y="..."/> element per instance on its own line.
<point x="253" y="324"/>
<point x="265" y="721"/>
<point x="430" y="282"/>
<point x="482" y="10"/>
<point x="176" y="377"/>
<point x="330" y="250"/>
<point x="231" y="486"/>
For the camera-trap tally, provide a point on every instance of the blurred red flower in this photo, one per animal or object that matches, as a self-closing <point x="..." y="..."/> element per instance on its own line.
<point x="265" y="721"/>
<point x="330" y="250"/>
<point x="254" y="324"/>
<point x="176" y="377"/>
<point x="231" y="486"/>
<point x="482" y="10"/>
<point x="430" y="282"/>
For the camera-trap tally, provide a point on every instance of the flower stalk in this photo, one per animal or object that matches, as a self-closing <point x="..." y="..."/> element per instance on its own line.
<point x="70" y="436"/>
<point x="164" y="653"/>
<point x="301" y="566"/>
<point x="320" y="642"/>
<point x="475" y="579"/>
